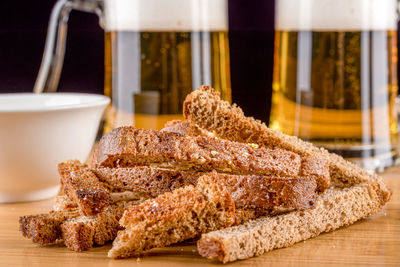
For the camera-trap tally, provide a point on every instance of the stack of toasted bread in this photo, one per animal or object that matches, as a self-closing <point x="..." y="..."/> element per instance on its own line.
<point x="227" y="180"/>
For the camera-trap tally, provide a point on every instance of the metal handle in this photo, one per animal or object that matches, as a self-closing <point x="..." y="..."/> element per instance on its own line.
<point x="53" y="56"/>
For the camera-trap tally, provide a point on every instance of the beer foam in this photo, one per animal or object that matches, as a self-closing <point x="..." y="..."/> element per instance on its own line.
<point x="336" y="15"/>
<point x="166" y="15"/>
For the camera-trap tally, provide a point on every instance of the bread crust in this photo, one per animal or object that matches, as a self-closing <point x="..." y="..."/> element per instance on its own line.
<point x="83" y="187"/>
<point x="145" y="179"/>
<point x="128" y="147"/>
<point x="81" y="233"/>
<point x="43" y="229"/>
<point x="77" y="236"/>
<point x="268" y="193"/>
<point x="318" y="169"/>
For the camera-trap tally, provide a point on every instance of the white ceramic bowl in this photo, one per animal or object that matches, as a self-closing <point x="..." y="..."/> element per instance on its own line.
<point x="37" y="131"/>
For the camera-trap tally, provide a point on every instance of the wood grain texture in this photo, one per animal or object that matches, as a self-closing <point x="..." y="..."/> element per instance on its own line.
<point x="374" y="241"/>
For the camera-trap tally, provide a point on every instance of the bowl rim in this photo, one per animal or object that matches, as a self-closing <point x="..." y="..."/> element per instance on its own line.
<point x="97" y="101"/>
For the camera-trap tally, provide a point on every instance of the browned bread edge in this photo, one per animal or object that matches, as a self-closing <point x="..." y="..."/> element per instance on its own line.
<point x="83" y="187"/>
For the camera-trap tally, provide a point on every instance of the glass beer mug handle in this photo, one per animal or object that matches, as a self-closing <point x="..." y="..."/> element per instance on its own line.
<point x="53" y="56"/>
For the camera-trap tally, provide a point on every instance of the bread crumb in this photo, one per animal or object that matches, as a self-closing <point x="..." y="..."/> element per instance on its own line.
<point x="138" y="260"/>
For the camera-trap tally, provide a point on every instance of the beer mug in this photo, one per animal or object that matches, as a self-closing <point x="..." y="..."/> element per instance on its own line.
<point x="156" y="52"/>
<point x="335" y="77"/>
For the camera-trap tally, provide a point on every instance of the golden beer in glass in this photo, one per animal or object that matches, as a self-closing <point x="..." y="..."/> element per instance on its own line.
<point x="154" y="58"/>
<point x="335" y="77"/>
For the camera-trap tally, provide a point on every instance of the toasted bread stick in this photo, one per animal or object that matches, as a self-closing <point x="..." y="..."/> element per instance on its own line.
<point x="66" y="224"/>
<point x="174" y="217"/>
<point x="335" y="208"/>
<point x="128" y="147"/>
<point x="83" y="187"/>
<point x="147" y="180"/>
<point x="45" y="229"/>
<point x="204" y="108"/>
<point x="248" y="191"/>
<point x="81" y="233"/>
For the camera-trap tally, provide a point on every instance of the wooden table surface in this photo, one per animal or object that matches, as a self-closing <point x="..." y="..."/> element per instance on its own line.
<point x="373" y="241"/>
